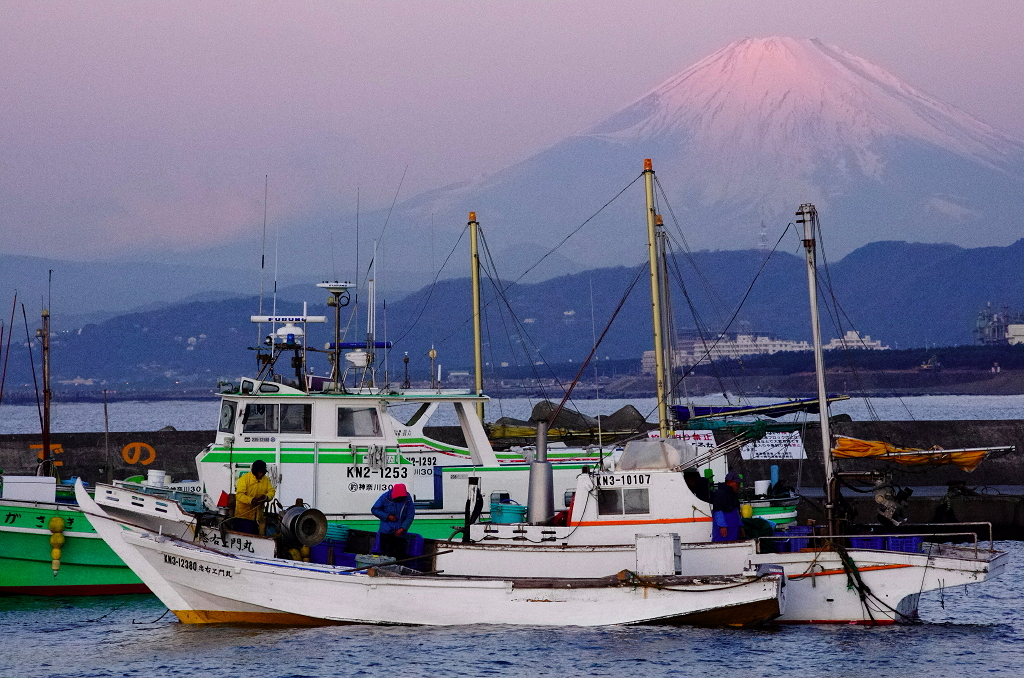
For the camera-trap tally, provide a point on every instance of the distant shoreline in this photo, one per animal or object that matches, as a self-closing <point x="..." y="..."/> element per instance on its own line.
<point x="863" y="383"/>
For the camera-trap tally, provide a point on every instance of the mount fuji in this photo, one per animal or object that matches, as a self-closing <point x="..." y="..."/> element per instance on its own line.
<point x="739" y="140"/>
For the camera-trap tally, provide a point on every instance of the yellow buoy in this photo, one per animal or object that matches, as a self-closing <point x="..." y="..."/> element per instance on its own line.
<point x="56" y="526"/>
<point x="746" y="511"/>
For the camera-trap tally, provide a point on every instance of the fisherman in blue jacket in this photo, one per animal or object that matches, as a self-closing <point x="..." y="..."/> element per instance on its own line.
<point x="725" y="510"/>
<point x="396" y="511"/>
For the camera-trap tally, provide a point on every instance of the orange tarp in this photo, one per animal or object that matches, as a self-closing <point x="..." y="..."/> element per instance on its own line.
<point x="851" y="448"/>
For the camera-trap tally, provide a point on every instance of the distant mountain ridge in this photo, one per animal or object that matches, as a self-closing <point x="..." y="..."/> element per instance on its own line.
<point x="740" y="139"/>
<point x="904" y="294"/>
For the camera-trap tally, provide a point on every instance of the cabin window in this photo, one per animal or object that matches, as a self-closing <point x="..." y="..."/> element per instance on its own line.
<point x="296" y="418"/>
<point x="227" y="416"/>
<point x="609" y="502"/>
<point x="358" y="422"/>
<point x="635" y="501"/>
<point x="617" y="502"/>
<point x="259" y="418"/>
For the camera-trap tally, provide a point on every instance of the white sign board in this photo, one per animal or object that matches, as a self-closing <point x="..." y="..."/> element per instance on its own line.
<point x="702" y="440"/>
<point x="775" y="445"/>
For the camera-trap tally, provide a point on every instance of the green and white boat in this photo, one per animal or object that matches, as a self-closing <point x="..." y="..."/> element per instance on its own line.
<point x="35" y="528"/>
<point x="47" y="546"/>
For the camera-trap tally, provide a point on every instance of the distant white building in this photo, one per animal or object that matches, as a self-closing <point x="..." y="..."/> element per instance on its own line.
<point x="689" y="351"/>
<point x="1015" y="333"/>
<point x="692" y="351"/>
<point x="853" y="339"/>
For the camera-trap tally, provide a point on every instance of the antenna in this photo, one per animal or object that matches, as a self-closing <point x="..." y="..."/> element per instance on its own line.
<point x="277" y="259"/>
<point x="359" y="275"/>
<point x="263" y="256"/>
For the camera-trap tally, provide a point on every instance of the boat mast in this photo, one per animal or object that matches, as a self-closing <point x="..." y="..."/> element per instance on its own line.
<point x="656" y="314"/>
<point x="808" y="216"/>
<point x="478" y="354"/>
<point x="44" y="336"/>
<point x="668" y="327"/>
<point x="371" y="323"/>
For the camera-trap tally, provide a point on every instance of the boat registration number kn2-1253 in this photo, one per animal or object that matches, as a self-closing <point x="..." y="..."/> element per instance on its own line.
<point x="382" y="472"/>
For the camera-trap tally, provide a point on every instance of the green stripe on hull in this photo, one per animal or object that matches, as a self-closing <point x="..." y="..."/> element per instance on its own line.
<point x="431" y="528"/>
<point x="85" y="562"/>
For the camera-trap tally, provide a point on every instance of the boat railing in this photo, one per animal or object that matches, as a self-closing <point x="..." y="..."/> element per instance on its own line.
<point x="825" y="542"/>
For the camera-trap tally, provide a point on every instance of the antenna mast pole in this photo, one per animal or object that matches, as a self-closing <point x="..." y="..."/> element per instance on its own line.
<point x="44" y="337"/>
<point x="656" y="314"/>
<point x="478" y="355"/>
<point x="808" y="216"/>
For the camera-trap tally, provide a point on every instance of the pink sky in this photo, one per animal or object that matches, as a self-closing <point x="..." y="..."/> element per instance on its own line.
<point x="137" y="126"/>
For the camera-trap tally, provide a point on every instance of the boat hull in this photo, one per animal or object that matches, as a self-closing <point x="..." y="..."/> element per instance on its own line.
<point x="87" y="565"/>
<point x="221" y="588"/>
<point x="202" y="586"/>
<point x="892" y="582"/>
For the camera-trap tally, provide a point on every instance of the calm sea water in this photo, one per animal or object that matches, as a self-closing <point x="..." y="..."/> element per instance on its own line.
<point x="972" y="631"/>
<point x="196" y="415"/>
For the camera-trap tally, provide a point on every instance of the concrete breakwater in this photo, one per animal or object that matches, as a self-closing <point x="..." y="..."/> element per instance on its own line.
<point x="1000" y="480"/>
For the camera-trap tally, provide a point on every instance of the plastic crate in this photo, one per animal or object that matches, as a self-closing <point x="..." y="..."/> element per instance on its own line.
<point x="782" y="545"/>
<point x="795" y="532"/>
<point x="506" y="514"/>
<point x="329" y="552"/>
<point x="876" y="543"/>
<point x="905" y="544"/>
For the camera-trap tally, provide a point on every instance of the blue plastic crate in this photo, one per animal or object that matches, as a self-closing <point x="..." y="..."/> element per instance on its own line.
<point x="327" y="551"/>
<point x="905" y="544"/>
<point x="781" y="545"/>
<point x="876" y="543"/>
<point x="798" y="544"/>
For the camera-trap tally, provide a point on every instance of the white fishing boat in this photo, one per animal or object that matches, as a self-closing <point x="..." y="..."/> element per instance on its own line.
<point x="201" y="585"/>
<point x="827" y="581"/>
<point x="656" y="487"/>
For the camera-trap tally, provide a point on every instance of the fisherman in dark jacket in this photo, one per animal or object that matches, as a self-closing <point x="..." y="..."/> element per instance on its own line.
<point x="725" y="510"/>
<point x="396" y="510"/>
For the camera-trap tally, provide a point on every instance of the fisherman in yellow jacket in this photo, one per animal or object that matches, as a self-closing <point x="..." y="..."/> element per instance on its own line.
<point x="252" y="493"/>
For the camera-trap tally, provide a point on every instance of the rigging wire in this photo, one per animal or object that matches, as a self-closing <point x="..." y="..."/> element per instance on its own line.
<point x="577" y="229"/>
<point x="502" y="289"/>
<point x="607" y="327"/>
<point x="433" y="285"/>
<point x="839" y="310"/>
<point x="32" y="363"/>
<point x="708" y="351"/>
<point x="502" y="296"/>
<point x="7" y="351"/>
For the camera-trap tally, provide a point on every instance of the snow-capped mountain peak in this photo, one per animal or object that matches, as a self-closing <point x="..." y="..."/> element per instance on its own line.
<point x="789" y="95"/>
